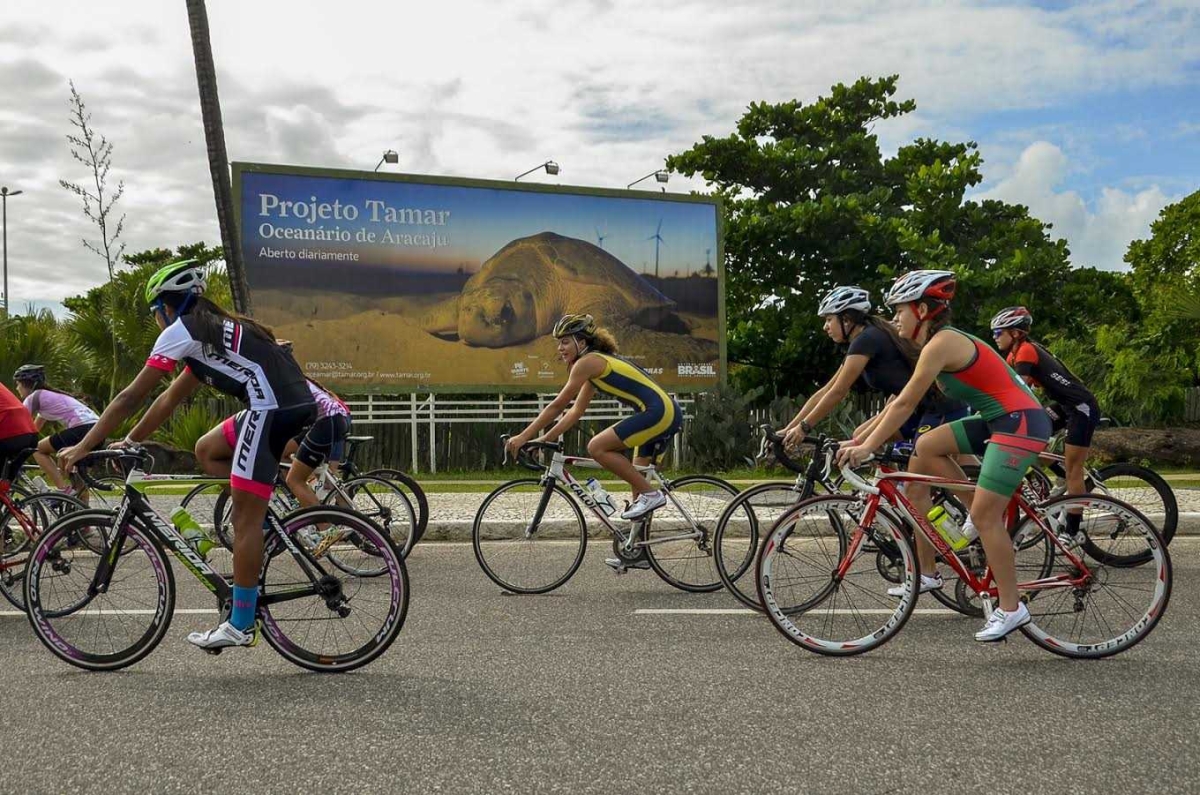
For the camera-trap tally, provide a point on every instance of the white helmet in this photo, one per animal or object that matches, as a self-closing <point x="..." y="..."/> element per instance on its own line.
<point x="841" y="299"/>
<point x="1017" y="317"/>
<point x="913" y="286"/>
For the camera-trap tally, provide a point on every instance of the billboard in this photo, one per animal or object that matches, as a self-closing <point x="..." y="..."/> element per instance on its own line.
<point x="397" y="283"/>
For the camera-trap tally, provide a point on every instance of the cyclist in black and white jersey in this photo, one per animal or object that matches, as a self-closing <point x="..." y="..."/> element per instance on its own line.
<point x="239" y="357"/>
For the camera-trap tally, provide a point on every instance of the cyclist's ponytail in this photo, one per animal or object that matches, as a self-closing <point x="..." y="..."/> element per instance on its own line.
<point x="603" y="341"/>
<point x="210" y="328"/>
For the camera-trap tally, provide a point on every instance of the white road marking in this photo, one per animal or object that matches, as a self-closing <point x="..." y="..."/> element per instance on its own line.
<point x="198" y="611"/>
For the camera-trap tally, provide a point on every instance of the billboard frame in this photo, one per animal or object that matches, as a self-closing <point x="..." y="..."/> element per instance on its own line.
<point x="239" y="168"/>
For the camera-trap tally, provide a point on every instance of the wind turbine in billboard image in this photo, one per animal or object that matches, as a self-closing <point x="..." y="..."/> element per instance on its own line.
<point x="600" y="238"/>
<point x="657" y="238"/>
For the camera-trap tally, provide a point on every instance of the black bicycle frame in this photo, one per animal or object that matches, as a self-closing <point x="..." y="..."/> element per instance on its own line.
<point x="135" y="509"/>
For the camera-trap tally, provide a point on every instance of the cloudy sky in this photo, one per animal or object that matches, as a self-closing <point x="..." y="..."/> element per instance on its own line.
<point x="1087" y="112"/>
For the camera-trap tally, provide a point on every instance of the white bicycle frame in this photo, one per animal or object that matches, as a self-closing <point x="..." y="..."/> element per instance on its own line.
<point x="555" y="472"/>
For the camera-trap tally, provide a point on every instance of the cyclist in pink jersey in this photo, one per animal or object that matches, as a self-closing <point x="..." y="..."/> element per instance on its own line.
<point x="322" y="442"/>
<point x="47" y="404"/>
<point x="1009" y="431"/>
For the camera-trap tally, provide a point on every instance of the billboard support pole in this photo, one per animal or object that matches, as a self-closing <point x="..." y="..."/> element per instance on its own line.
<point x="413" y="416"/>
<point x="432" y="438"/>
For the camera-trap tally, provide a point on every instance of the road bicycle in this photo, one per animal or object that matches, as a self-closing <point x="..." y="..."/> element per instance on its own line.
<point x="824" y="593"/>
<point x="23" y="519"/>
<point x="530" y="534"/>
<point x="748" y="516"/>
<point x="405" y="481"/>
<point x="104" y="611"/>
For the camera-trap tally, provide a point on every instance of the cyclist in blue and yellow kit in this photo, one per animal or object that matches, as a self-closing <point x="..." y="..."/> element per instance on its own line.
<point x="591" y="355"/>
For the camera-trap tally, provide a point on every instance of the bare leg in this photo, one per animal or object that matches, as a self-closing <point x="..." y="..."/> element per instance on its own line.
<point x="297" y="480"/>
<point x="214" y="454"/>
<point x="1075" y="458"/>
<point x="44" y="456"/>
<point x="934" y="455"/>
<point x="987" y="512"/>
<point x="608" y="450"/>
<point x="249" y="510"/>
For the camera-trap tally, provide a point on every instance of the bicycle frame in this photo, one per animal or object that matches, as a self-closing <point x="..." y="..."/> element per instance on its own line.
<point x="24" y="521"/>
<point x="135" y="508"/>
<point x="557" y="472"/>
<point x="887" y="488"/>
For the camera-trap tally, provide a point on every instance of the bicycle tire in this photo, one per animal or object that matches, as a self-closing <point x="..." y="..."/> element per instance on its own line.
<point x="40" y="586"/>
<point x="731" y="563"/>
<point x="354" y="592"/>
<point x="495" y="540"/>
<point x="394" y="514"/>
<point x="828" y="598"/>
<point x="1155" y="580"/>
<point x="43" y="509"/>
<point x="1156" y="484"/>
<point x="418" y="493"/>
<point x="687" y="564"/>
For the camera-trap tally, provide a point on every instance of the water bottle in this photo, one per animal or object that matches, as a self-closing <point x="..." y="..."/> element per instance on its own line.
<point x="947" y="528"/>
<point x="602" y="497"/>
<point x="190" y="529"/>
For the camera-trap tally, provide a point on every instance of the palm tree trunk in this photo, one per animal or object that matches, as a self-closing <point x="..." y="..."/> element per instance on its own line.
<point x="218" y="159"/>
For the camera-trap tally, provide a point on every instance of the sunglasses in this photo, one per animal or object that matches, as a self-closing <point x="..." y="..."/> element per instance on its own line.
<point x="156" y="308"/>
<point x="998" y="333"/>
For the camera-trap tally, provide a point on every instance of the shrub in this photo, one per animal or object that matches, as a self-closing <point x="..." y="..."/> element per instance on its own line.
<point x="721" y="436"/>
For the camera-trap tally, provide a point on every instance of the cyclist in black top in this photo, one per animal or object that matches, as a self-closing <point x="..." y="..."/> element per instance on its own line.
<point x="1074" y="406"/>
<point x="236" y="356"/>
<point x="876" y="358"/>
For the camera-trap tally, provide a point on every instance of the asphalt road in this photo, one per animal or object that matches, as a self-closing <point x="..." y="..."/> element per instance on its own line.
<point x="577" y="692"/>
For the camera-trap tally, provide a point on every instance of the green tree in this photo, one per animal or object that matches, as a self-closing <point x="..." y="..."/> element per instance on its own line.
<point x="811" y="202"/>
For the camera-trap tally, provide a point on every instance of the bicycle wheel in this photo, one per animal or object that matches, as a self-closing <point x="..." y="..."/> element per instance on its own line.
<point x="416" y="494"/>
<point x="745" y="520"/>
<point x="678" y="537"/>
<point x="805" y="596"/>
<point x="40" y="511"/>
<point x="347" y="621"/>
<point x="108" y="630"/>
<point x="529" y="537"/>
<point x="1145" y="490"/>
<point x="1117" y="606"/>
<point x="385" y="504"/>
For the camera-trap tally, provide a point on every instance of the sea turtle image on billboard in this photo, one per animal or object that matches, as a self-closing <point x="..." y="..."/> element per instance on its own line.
<point x="521" y="291"/>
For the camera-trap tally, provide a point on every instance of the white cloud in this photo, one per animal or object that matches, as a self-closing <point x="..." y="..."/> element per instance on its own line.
<point x="1097" y="234"/>
<point x="489" y="89"/>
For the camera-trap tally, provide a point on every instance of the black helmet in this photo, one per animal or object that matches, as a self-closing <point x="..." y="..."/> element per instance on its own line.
<point x="31" y="374"/>
<point x="570" y="324"/>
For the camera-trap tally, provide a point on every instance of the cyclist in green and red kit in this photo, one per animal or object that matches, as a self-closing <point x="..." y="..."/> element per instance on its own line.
<point x="1008" y="432"/>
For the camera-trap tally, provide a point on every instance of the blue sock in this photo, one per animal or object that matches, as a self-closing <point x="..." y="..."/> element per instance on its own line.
<point x="244" y="602"/>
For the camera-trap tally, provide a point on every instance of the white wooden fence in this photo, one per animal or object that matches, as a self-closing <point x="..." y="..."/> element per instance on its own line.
<point x="429" y="411"/>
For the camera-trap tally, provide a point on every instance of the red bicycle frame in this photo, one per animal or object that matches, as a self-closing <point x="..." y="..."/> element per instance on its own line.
<point x="887" y="489"/>
<point x="27" y="525"/>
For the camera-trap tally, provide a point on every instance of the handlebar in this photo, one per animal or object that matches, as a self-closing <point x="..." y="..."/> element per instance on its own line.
<point x="824" y="444"/>
<point x="129" y="457"/>
<point x="858" y="483"/>
<point x="523" y="453"/>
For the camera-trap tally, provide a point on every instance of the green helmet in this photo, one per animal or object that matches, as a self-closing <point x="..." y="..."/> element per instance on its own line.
<point x="185" y="276"/>
<point x="571" y="324"/>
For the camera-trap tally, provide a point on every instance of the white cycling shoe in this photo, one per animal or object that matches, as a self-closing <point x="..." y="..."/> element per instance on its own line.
<point x="223" y="637"/>
<point x="1000" y="623"/>
<point x="927" y="584"/>
<point x="644" y="504"/>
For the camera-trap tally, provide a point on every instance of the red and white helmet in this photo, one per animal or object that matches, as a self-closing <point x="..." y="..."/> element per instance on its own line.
<point x="1017" y="317"/>
<point x="842" y="299"/>
<point x="917" y="285"/>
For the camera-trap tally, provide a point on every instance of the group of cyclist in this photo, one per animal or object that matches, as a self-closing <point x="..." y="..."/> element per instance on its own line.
<point x="947" y="391"/>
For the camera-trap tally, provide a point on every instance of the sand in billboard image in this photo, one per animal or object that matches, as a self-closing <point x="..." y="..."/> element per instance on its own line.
<point x="493" y="326"/>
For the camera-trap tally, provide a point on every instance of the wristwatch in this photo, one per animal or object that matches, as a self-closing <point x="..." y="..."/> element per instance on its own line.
<point x="804" y="426"/>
